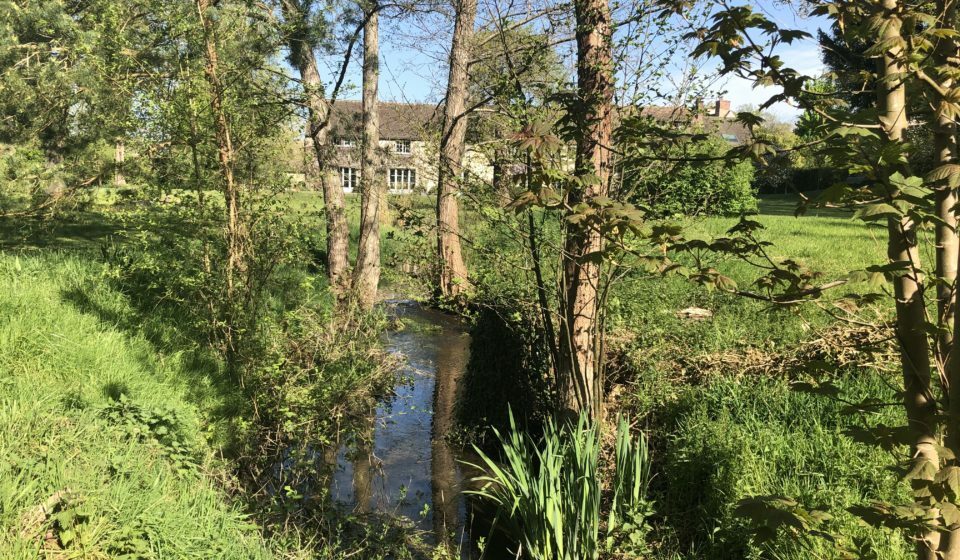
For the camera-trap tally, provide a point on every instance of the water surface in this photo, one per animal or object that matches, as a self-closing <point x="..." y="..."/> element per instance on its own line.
<point x="403" y="465"/>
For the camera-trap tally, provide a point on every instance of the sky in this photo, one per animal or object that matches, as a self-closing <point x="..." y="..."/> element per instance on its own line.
<point x="413" y="66"/>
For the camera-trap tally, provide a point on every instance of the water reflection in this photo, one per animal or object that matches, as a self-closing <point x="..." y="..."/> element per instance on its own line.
<point x="400" y="463"/>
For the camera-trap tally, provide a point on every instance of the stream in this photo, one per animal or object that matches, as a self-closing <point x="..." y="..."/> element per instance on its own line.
<point x="403" y="465"/>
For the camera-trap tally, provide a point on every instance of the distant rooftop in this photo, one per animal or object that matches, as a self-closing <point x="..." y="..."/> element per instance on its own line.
<point x="398" y="121"/>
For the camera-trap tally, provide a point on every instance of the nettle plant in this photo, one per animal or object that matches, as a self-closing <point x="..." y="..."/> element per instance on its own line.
<point x="913" y="80"/>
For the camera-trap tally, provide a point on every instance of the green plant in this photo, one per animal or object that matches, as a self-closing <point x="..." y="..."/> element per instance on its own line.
<point x="548" y="494"/>
<point x="693" y="188"/>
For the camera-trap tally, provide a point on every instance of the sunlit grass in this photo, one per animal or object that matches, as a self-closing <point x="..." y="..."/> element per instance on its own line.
<point x="66" y="357"/>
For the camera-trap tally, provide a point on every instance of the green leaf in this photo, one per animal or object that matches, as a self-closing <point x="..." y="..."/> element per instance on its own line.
<point x="876" y="211"/>
<point x="949" y="477"/>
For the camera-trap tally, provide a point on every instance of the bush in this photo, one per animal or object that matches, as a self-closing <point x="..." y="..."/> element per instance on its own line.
<point x="695" y="188"/>
<point x="815" y="178"/>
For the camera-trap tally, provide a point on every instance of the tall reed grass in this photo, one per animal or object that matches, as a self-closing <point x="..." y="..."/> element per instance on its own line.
<point x="549" y="493"/>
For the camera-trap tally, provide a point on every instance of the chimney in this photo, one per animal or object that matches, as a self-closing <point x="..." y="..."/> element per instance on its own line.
<point x="723" y="108"/>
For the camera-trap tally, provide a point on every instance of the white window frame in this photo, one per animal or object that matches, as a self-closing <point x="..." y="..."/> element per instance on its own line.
<point x="346" y="143"/>
<point x="404" y="147"/>
<point x="349" y="179"/>
<point x="402" y="179"/>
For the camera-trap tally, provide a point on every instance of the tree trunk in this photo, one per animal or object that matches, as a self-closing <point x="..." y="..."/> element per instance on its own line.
<point x="453" y="282"/>
<point x="579" y="368"/>
<point x="945" y="152"/>
<point x="944" y="141"/>
<point x="235" y="233"/>
<point x="119" y="157"/>
<point x="366" y="274"/>
<point x="908" y="288"/>
<point x="303" y="59"/>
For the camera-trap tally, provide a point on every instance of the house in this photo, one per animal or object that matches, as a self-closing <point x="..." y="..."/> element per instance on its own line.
<point x="407" y="145"/>
<point x="717" y="118"/>
<point x="409" y="135"/>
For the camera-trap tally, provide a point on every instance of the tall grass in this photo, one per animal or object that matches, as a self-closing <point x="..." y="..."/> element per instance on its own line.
<point x="549" y="493"/>
<point x="102" y="447"/>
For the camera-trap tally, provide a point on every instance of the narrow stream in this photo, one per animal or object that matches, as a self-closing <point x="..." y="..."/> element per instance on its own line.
<point x="403" y="466"/>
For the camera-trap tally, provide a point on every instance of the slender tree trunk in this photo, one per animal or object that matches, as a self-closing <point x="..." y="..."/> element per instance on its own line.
<point x="366" y="274"/>
<point x="948" y="253"/>
<point x="119" y="158"/>
<point x="303" y="59"/>
<point x="579" y="368"/>
<point x="453" y="280"/>
<point x="908" y="288"/>
<point x="549" y="332"/>
<point x="944" y="141"/>
<point x="236" y="235"/>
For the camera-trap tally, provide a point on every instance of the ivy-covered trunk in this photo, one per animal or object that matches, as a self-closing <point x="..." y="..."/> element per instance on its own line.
<point x="235" y="230"/>
<point x="580" y="329"/>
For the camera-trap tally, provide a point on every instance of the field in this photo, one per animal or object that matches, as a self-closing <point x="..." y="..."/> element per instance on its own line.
<point x="115" y="420"/>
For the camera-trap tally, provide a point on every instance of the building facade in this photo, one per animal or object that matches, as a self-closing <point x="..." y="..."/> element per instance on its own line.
<point x="409" y="134"/>
<point x="407" y="145"/>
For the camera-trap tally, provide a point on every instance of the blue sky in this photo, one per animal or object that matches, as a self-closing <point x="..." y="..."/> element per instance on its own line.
<point x="803" y="56"/>
<point x="413" y="66"/>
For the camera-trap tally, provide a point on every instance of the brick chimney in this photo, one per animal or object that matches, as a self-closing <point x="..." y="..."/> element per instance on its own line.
<point x="722" y="109"/>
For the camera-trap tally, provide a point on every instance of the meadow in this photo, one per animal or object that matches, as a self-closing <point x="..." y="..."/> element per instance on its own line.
<point x="116" y="420"/>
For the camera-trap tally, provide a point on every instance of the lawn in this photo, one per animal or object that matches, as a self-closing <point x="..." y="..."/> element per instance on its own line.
<point x="113" y="418"/>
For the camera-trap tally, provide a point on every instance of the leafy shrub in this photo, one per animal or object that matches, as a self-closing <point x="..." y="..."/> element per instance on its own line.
<point x="507" y="366"/>
<point x="23" y="174"/>
<point x="695" y="188"/>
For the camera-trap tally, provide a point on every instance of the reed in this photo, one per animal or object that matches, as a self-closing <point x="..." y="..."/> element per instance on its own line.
<point x="548" y="492"/>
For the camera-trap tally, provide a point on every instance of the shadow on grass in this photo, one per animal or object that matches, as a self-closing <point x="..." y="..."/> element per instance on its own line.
<point x="786" y="205"/>
<point x="70" y="231"/>
<point x="207" y="384"/>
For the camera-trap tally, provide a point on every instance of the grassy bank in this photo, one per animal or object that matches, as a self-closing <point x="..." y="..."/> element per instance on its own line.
<point x="716" y="397"/>
<point x="103" y="428"/>
<point x="121" y="433"/>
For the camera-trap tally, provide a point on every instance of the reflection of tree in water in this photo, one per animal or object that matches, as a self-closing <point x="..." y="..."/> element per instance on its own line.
<point x="408" y="430"/>
<point x="451" y="361"/>
<point x="363" y="465"/>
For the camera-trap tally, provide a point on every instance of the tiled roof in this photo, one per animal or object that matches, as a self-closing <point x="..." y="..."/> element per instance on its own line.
<point x="411" y="121"/>
<point x="398" y="121"/>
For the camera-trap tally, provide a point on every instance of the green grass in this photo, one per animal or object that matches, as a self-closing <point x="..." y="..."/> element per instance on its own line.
<point x="141" y="477"/>
<point x="731" y="434"/>
<point x="143" y="472"/>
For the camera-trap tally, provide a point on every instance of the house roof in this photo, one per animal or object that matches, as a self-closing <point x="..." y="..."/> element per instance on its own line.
<point x="410" y="121"/>
<point x="727" y="126"/>
<point x="398" y="121"/>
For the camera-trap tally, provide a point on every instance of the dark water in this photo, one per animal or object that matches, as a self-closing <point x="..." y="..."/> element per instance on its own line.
<point x="403" y="465"/>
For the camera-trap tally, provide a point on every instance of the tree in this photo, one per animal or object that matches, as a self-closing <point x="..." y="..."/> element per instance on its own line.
<point x="579" y="370"/>
<point x="301" y="40"/>
<point x="236" y="228"/>
<point x="453" y="281"/>
<point x="366" y="274"/>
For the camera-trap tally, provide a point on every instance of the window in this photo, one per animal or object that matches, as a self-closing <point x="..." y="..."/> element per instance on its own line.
<point x="346" y="142"/>
<point x="403" y="179"/>
<point x="401" y="146"/>
<point x="349" y="179"/>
